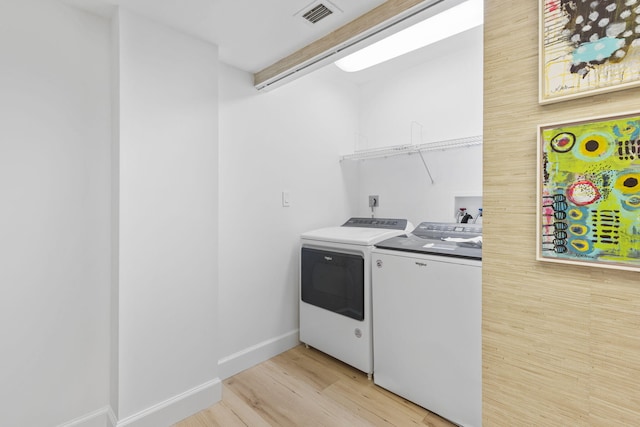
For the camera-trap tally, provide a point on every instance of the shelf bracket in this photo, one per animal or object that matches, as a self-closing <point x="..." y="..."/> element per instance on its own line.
<point x="424" y="162"/>
<point x="426" y="167"/>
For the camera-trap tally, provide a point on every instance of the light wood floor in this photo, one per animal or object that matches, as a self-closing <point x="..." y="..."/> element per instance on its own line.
<point x="304" y="387"/>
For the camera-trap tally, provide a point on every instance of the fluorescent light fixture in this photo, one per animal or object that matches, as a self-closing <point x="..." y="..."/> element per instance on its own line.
<point x="450" y="22"/>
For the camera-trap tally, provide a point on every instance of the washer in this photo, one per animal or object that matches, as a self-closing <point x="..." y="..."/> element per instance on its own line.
<point x="335" y="287"/>
<point x="427" y="305"/>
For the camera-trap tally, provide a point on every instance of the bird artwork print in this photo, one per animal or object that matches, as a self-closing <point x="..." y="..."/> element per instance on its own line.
<point x="600" y="31"/>
<point x="589" y="44"/>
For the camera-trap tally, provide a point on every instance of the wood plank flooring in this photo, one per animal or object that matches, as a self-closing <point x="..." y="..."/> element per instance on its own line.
<point x="304" y="387"/>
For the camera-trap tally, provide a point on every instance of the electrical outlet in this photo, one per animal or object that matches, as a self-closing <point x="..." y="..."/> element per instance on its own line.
<point x="374" y="201"/>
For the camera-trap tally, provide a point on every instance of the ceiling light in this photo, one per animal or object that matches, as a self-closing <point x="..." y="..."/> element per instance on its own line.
<point x="450" y="22"/>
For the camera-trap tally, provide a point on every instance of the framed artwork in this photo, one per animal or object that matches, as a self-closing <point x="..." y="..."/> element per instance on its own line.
<point x="588" y="47"/>
<point x="589" y="192"/>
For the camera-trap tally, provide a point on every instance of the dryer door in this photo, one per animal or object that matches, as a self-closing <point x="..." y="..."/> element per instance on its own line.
<point x="333" y="281"/>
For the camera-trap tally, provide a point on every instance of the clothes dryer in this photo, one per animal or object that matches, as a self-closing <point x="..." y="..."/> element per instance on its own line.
<point x="335" y="287"/>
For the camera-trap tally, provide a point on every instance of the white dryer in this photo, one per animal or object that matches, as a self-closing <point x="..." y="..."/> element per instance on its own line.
<point x="335" y="287"/>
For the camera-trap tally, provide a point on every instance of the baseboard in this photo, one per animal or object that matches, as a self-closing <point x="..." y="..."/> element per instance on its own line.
<point x="192" y="401"/>
<point x="176" y="408"/>
<point x="103" y="417"/>
<point x="238" y="362"/>
<point x="112" y="420"/>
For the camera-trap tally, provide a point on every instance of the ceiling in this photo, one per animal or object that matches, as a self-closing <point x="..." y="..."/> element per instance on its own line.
<point x="250" y="34"/>
<point x="253" y="34"/>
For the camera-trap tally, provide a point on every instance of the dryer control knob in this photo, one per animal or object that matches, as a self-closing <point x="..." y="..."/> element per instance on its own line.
<point x="358" y="333"/>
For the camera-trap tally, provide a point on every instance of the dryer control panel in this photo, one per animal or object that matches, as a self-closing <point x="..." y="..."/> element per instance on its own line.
<point x="388" y="223"/>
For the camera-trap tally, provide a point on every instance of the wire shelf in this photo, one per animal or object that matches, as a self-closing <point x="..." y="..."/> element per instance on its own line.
<point x="412" y="148"/>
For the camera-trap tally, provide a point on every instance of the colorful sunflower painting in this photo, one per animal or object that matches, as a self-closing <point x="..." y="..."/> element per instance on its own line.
<point x="590" y="191"/>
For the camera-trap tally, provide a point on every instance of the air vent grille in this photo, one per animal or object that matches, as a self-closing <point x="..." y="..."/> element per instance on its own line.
<point x="317" y="13"/>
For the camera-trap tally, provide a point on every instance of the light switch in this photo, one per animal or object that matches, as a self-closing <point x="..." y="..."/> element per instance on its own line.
<point x="285" y="199"/>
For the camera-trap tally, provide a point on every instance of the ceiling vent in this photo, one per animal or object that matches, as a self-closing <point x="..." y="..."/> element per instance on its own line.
<point x="317" y="13"/>
<point x="318" y="10"/>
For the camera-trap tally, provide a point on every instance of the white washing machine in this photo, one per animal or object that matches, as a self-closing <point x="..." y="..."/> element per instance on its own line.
<point x="335" y="287"/>
<point x="427" y="319"/>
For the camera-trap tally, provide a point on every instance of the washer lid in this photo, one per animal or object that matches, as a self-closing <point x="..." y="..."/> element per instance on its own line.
<point x="443" y="239"/>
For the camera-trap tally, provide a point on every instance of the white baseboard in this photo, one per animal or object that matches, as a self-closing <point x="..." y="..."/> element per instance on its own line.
<point x="103" y="417"/>
<point x="112" y="420"/>
<point x="192" y="401"/>
<point x="176" y="408"/>
<point x="244" y="359"/>
<point x="164" y="414"/>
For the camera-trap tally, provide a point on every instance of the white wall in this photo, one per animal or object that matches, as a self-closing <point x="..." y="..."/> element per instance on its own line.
<point x="168" y="217"/>
<point x="444" y="96"/>
<point x="292" y="138"/>
<point x="54" y="222"/>
<point x="287" y="139"/>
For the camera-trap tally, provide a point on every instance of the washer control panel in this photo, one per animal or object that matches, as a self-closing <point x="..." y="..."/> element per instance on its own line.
<point x="436" y="230"/>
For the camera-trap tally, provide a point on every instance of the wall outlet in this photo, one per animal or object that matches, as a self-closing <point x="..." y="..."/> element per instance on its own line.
<point x="374" y="201"/>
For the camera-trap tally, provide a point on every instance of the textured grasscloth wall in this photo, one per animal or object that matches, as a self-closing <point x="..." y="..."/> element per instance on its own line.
<point x="561" y="344"/>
